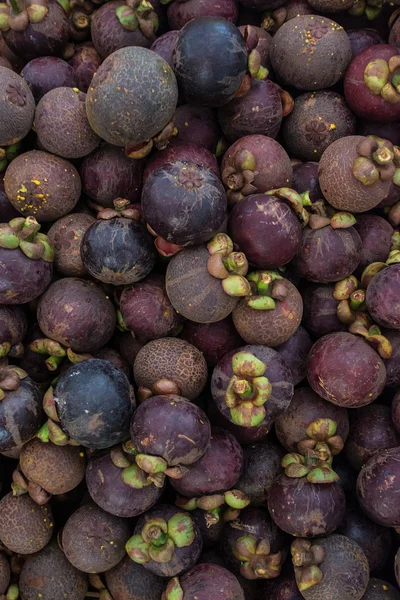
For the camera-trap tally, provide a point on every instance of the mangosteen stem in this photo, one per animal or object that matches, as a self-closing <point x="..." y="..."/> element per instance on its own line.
<point x="14" y="6"/>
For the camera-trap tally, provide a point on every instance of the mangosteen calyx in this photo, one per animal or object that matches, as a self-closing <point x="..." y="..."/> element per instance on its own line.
<point x="351" y="298"/>
<point x="216" y="506"/>
<point x="57" y="353"/>
<point x="138" y="13"/>
<point x="162" y="387"/>
<point x="51" y="431"/>
<point x="123" y="457"/>
<point x="20" y="13"/>
<point x="372" y="334"/>
<point x="370" y="8"/>
<point x="383" y="78"/>
<point x="160" y="141"/>
<point x="10" y="377"/>
<point x="122" y="208"/>
<point x="273" y="20"/>
<point x="378" y="159"/>
<point x="231" y="267"/>
<point x="297" y="202"/>
<point x="159" y="538"/>
<point x="306" y="556"/>
<point x="23" y="233"/>
<point x="156" y="469"/>
<point x="8" y="153"/>
<point x="256" y="559"/>
<point x="239" y="177"/>
<point x="173" y="590"/>
<point x="21" y="485"/>
<point x="256" y="49"/>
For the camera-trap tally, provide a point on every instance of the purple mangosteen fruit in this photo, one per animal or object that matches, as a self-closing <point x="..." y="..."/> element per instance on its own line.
<point x="282" y="588"/>
<point x="378" y="589"/>
<point x="47" y="73"/>
<point x="85" y="61"/>
<point x="198" y="126"/>
<point x="321" y="309"/>
<point x="7" y="211"/>
<point x="131" y="580"/>
<point x="305" y="178"/>
<point x="185" y="153"/>
<point x="13" y="328"/>
<point x="25" y="527"/>
<point x="205" y="581"/>
<point x="181" y="12"/>
<point x="212" y="339"/>
<point x="383" y="293"/>
<point x="360" y="39"/>
<point x="262" y="463"/>
<point x="164" y="45"/>
<point x="295" y="353"/>
<point x="393" y="362"/>
<point x="376" y="237"/>
<point x="17" y="107"/>
<point x="32" y="362"/>
<point x="66" y="236"/>
<point x="387" y="131"/>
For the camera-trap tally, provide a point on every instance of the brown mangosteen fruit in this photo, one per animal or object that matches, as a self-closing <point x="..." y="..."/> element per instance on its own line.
<point x="5" y="573"/>
<point x="25" y="527"/>
<point x="13" y="328"/>
<point x="85" y="61"/>
<point x="42" y="185"/>
<point x="212" y="339"/>
<point x="61" y="123"/>
<point x="131" y="580"/>
<point x="66" y="236"/>
<point x="47" y="73"/>
<point x="17" y="107"/>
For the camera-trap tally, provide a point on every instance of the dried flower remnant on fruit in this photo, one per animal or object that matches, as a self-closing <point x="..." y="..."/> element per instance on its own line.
<point x="225" y="507"/>
<point x="306" y="558"/>
<point x="256" y="559"/>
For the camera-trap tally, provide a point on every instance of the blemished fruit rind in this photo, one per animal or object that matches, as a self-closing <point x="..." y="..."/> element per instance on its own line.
<point x="131" y="580"/>
<point x="66" y="237"/>
<point x="17" y="107"/>
<point x="25" y="527"/>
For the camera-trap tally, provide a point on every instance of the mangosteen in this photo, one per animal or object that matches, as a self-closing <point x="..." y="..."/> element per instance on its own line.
<point x="345" y="370"/>
<point x="49" y="574"/>
<point x="377" y="485"/>
<point x="278" y="217"/>
<point x="212" y="339"/>
<point x="107" y="102"/>
<point x="164" y="45"/>
<point x="282" y="588"/>
<point x="66" y="236"/>
<point x="355" y="172"/>
<point x="131" y="580"/>
<point x="320" y="315"/>
<point x="295" y="353"/>
<point x="180" y="13"/>
<point x="330" y="248"/>
<point x="253" y="546"/>
<point x="252" y="386"/>
<point x="333" y="567"/>
<point x="360" y="39"/>
<point x="47" y="73"/>
<point x="184" y="203"/>
<point x="258" y="44"/>
<point x="317" y="120"/>
<point x="61" y="123"/>
<point x="170" y="365"/>
<point x="17" y="107"/>
<point x="116" y="358"/>
<point x="310" y="52"/>
<point x="255" y="164"/>
<point x="380" y="590"/>
<point x="5" y="573"/>
<point x="331" y="6"/>
<point x="7" y="211"/>
<point x="262" y="463"/>
<point x="166" y="541"/>
<point x="13" y="328"/>
<point x="25" y="527"/>
<point x="393" y="362"/>
<point x="205" y="581"/>
<point x="42" y="185"/>
<point x="118" y="485"/>
<point x="92" y="404"/>
<point x="271" y="314"/>
<point x="32" y="362"/>
<point x="383" y="292"/>
<point x="182" y="152"/>
<point x="196" y="125"/>
<point x="85" y="61"/>
<point x="94" y="541"/>
<point x="170" y="433"/>
<point x="376" y="237"/>
<point x="118" y="24"/>
<point x="305" y="178"/>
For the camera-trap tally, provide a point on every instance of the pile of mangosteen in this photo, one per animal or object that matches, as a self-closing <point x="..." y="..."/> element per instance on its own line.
<point x="200" y="299"/>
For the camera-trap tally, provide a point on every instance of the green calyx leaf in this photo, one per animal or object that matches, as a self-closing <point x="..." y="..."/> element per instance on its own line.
<point x="321" y="429"/>
<point x="174" y="590"/>
<point x="155" y="531"/>
<point x="151" y="464"/>
<point x="181" y="530"/>
<point x="247" y="414"/>
<point x="246" y="364"/>
<point x="322" y="474"/>
<point x="236" y="499"/>
<point x="135" y="477"/>
<point x="138" y="550"/>
<point x="245" y="547"/>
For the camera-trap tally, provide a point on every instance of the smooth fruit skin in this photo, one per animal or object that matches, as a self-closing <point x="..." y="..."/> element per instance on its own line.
<point x="23" y="279"/>
<point x="196" y="125"/>
<point x="383" y="297"/>
<point x="262" y="463"/>
<point x="320" y="310"/>
<point x="17" y="107"/>
<point x="393" y="363"/>
<point x="376" y="237"/>
<point x="184" y="152"/>
<point x="361" y="39"/>
<point x="131" y="581"/>
<point x="21" y="415"/>
<point x="381" y="590"/>
<point x="85" y="62"/>
<point x="212" y="339"/>
<point x="46" y="73"/>
<point x="164" y="45"/>
<point x="25" y="527"/>
<point x="282" y="588"/>
<point x="305" y="178"/>
<point x="345" y="370"/>
<point x="180" y="13"/>
<point x="295" y="353"/>
<point x="205" y="581"/>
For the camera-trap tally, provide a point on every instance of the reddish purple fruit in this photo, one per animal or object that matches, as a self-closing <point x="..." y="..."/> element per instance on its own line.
<point x="320" y="310"/>
<point x="200" y="583"/>
<point x="305" y="179"/>
<point x="376" y="237"/>
<point x="360" y="39"/>
<point x="66" y="235"/>
<point x="131" y="580"/>
<point x="164" y="46"/>
<point x="47" y="73"/>
<point x="85" y="62"/>
<point x="382" y="297"/>
<point x="212" y="339"/>
<point x="184" y="153"/>
<point x="295" y="353"/>
<point x="197" y="125"/>
<point x="181" y="12"/>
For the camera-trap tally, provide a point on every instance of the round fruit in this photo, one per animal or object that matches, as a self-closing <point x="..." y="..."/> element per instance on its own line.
<point x="262" y="463"/>
<point x="17" y="107"/>
<point x="295" y="353"/>
<point x="206" y="581"/>
<point x="47" y="73"/>
<point x="131" y="580"/>
<point x="382" y="297"/>
<point x="25" y="527"/>
<point x="66" y="236"/>
<point x="85" y="62"/>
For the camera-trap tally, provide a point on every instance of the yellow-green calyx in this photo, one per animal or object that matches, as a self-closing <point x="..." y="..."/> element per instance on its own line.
<point x="173" y="590"/>
<point x="159" y="538"/>
<point x="372" y="334"/>
<point x="51" y="430"/>
<point x="339" y="220"/>
<point x="226" y="506"/>
<point x="256" y="559"/>
<point x="138" y="13"/>
<point x="248" y="390"/>
<point x="156" y="469"/>
<point x="122" y="208"/>
<point x="266" y="288"/>
<point x="306" y="558"/>
<point x="382" y="78"/>
<point x="370" y="8"/>
<point x="162" y="387"/>
<point x="10" y="378"/>
<point x="18" y="14"/>
<point x="351" y="298"/>
<point x="231" y="267"/>
<point x="56" y="353"/>
<point x="8" y="153"/>
<point x="23" y="233"/>
<point x="296" y="201"/>
<point x="123" y="457"/>
<point x="378" y="159"/>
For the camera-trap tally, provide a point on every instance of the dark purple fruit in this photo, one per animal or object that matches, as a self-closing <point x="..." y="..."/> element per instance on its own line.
<point x="305" y="178"/>
<point x="93" y="540"/>
<point x="261" y="5"/>
<point x="66" y="237"/>
<point x="114" y="357"/>
<point x="42" y="185"/>
<point x="212" y="339"/>
<point x="262" y="463"/>
<point x="376" y="237"/>
<point x="207" y="75"/>
<point x="17" y="107"/>
<point x="380" y="590"/>
<point x="47" y="73"/>
<point x="393" y="362"/>
<point x="180" y="13"/>
<point x="13" y="328"/>
<point x="196" y="125"/>
<point x="320" y="310"/>
<point x="317" y="120"/>
<point x="93" y="403"/>
<point x="25" y="527"/>
<point x="164" y="46"/>
<point x="282" y="588"/>
<point x="295" y="353"/>
<point x="387" y="131"/>
<point x="184" y="153"/>
<point x="360" y="39"/>
<point x="85" y="62"/>
<point x="345" y="370"/>
<point x="206" y="581"/>
<point x="382" y="297"/>
<point x="184" y="203"/>
<point x="62" y="126"/>
<point x="310" y="52"/>
<point x="131" y="581"/>
<point x="7" y="211"/>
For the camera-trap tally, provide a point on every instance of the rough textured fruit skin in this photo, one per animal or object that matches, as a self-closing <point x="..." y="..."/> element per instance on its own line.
<point x="295" y="353"/>
<point x="25" y="527"/>
<point x="184" y="153"/>
<point x="139" y="71"/>
<point x="4" y="574"/>
<point x="118" y="251"/>
<point x="22" y="279"/>
<point x="258" y="218"/>
<point x="383" y="297"/>
<point x="17" y="107"/>
<point x="393" y="363"/>
<point x="200" y="584"/>
<point x="13" y="324"/>
<point x="108" y="490"/>
<point x="345" y="370"/>
<point x="197" y="125"/>
<point x="332" y="6"/>
<point x="205" y="75"/>
<point x="164" y="45"/>
<point x="131" y="581"/>
<point x="77" y="314"/>
<point x="372" y="431"/>
<point x="52" y="576"/>
<point x="21" y="415"/>
<point x="147" y="311"/>
<point x="66" y="237"/>
<point x="310" y="52"/>
<point x="62" y="125"/>
<point x="93" y="403"/>
<point x="193" y="292"/>
<point x="56" y="179"/>
<point x="376" y="237"/>
<point x="270" y="327"/>
<point x="327" y="255"/>
<point x="374" y="539"/>
<point x="180" y="13"/>
<point x="320" y="310"/>
<point x="338" y="184"/>
<point x="345" y="571"/>
<point x="108" y="174"/>
<point x="305" y="178"/>
<point x="212" y="339"/>
<point x="108" y="35"/>
<point x="216" y="471"/>
<point x="86" y="539"/>
<point x="360" y="39"/>
<point x="184" y="558"/>
<point x="262" y="463"/>
<point x="162" y="425"/>
<point x="305" y="407"/>
<point x="277" y="372"/>
<point x="377" y="483"/>
<point x="184" y="203"/>
<point x="85" y="62"/>
<point x="46" y="38"/>
<point x="47" y="73"/>
<point x="260" y="5"/>
<point x="380" y="590"/>
<point x="257" y="112"/>
<point x="57" y="469"/>
<point x="306" y="509"/>
<point x="173" y="359"/>
<point x="317" y="120"/>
